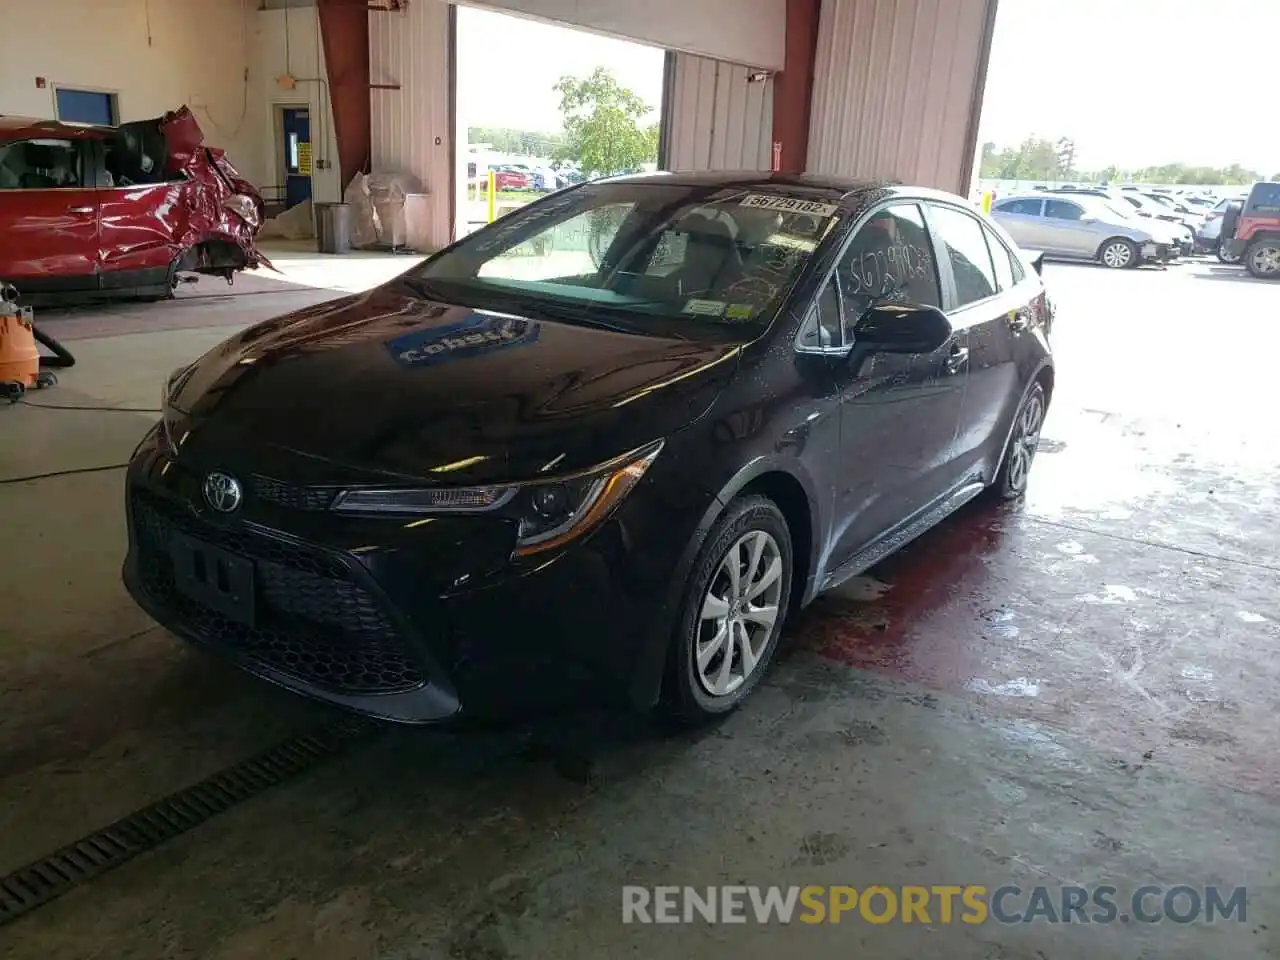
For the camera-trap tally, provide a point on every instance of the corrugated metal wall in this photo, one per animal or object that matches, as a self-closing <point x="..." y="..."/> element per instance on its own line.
<point x="897" y="84"/>
<point x="411" y="126"/>
<point x="715" y="117"/>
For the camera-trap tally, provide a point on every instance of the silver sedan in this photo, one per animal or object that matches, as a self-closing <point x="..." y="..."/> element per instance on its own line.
<point x="1084" y="228"/>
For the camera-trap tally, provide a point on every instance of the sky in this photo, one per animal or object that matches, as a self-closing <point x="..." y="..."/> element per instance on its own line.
<point x="507" y="66"/>
<point x="1133" y="82"/>
<point x="1138" y="82"/>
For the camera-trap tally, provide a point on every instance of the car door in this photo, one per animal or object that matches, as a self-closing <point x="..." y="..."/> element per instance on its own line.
<point x="48" y="216"/>
<point x="898" y="413"/>
<point x="1023" y="218"/>
<point x="990" y="307"/>
<point x="1069" y="228"/>
<point x="140" y="206"/>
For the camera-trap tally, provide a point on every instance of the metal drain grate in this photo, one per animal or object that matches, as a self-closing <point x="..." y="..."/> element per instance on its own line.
<point x="49" y="878"/>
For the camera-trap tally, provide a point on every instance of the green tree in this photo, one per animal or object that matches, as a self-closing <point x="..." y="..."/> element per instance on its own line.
<point x="1065" y="150"/>
<point x="528" y="143"/>
<point x="602" y="130"/>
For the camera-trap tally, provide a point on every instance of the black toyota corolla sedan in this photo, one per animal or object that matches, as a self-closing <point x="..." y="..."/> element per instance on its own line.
<point x="597" y="451"/>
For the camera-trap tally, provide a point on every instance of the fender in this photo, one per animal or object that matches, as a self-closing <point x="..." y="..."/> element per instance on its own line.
<point x="646" y="684"/>
<point x="1045" y="364"/>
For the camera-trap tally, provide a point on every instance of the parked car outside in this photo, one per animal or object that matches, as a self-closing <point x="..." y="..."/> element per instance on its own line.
<point x="91" y="211"/>
<point x="506" y="180"/>
<point x="1211" y="229"/>
<point x="571" y="477"/>
<point x="1145" y="207"/>
<point x="1082" y="226"/>
<point x="1183" y="239"/>
<point x="1257" y="233"/>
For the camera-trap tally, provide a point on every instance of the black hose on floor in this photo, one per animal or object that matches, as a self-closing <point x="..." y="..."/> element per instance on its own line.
<point x="61" y="358"/>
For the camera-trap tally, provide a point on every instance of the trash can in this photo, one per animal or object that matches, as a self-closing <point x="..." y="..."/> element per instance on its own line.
<point x="333" y="227"/>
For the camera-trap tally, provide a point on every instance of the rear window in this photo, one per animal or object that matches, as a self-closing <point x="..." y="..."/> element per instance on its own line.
<point x="1264" y="198"/>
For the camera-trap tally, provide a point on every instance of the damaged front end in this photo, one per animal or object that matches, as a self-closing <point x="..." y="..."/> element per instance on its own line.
<point x="195" y="204"/>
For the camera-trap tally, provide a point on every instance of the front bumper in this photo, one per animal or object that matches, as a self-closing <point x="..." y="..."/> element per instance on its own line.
<point x="1158" y="252"/>
<point x="376" y="617"/>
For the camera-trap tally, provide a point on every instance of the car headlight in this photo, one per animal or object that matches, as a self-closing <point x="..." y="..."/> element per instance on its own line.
<point x="547" y="513"/>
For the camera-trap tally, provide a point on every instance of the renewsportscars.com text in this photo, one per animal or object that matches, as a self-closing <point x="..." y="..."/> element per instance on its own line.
<point x="942" y="903"/>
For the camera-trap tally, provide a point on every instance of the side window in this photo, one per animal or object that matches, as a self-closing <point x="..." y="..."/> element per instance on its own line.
<point x="1265" y="198"/>
<point x="1002" y="261"/>
<point x="1025" y="207"/>
<point x="821" y="329"/>
<point x="889" y="258"/>
<point x="40" y="165"/>
<point x="1062" y="210"/>
<point x="966" y="246"/>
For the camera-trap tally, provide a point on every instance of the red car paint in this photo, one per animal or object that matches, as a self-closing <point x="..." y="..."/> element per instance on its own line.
<point x="103" y="237"/>
<point x="507" y="180"/>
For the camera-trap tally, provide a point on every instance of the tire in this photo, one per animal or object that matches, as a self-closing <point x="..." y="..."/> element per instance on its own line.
<point x="1020" y="450"/>
<point x="1225" y="255"/>
<point x="1263" y="259"/>
<point x="1119" y="254"/>
<point x="689" y="692"/>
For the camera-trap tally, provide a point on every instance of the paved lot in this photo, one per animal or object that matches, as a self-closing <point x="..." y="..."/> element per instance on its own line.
<point x="1078" y="690"/>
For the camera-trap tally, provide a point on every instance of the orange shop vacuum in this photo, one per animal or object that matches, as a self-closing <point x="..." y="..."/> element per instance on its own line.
<point x="20" y="357"/>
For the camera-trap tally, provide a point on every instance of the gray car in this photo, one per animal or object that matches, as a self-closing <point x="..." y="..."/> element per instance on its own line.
<point x="1083" y="227"/>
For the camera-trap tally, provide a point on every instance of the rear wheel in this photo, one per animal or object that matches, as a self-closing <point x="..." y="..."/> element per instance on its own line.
<point x="732" y="613"/>
<point x="1024" y="441"/>
<point x="1118" y="254"/>
<point x="1263" y="259"/>
<point x="1225" y="253"/>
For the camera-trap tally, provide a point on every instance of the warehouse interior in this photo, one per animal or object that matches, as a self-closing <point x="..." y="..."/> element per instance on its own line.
<point x="976" y="712"/>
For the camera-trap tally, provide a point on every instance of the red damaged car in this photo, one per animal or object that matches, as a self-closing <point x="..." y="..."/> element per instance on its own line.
<point x="91" y="211"/>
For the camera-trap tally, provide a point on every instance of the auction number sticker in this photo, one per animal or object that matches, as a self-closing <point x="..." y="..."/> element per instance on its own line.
<point x="705" y="308"/>
<point x="762" y="201"/>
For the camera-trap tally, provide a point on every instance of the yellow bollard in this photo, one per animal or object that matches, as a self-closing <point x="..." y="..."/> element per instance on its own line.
<point x="987" y="197"/>
<point x="493" y="195"/>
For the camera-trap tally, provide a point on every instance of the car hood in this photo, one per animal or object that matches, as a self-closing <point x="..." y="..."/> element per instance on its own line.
<point x="389" y="384"/>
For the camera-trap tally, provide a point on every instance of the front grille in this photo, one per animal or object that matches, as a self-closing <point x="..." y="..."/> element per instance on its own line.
<point x="313" y="621"/>
<point x="287" y="495"/>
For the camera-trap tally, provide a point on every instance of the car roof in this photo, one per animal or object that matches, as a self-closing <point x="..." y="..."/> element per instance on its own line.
<point x="24" y="128"/>
<point x="846" y="190"/>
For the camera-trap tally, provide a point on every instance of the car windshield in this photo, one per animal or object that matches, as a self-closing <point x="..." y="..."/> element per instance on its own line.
<point x="694" y="261"/>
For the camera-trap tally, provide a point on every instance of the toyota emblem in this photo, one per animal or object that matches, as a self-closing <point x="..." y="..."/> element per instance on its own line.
<point x="222" y="492"/>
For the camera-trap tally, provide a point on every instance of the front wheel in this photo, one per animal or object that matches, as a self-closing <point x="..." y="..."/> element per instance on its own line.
<point x="1024" y="441"/>
<point x="1118" y="254"/>
<point x="732" y="613"/>
<point x="1263" y="259"/>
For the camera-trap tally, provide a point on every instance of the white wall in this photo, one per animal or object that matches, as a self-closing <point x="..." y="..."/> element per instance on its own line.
<point x="155" y="56"/>
<point x="897" y="89"/>
<point x="288" y="42"/>
<point x="740" y="31"/>
<point x="410" y="126"/>
<point x="715" y="118"/>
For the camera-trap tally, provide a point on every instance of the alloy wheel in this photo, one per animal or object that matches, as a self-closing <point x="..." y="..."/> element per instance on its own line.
<point x="1264" y="260"/>
<point x="1117" y="255"/>
<point x="738" y="613"/>
<point x="1026" y="440"/>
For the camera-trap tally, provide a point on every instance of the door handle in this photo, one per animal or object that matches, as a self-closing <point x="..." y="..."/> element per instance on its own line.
<point x="80" y="210"/>
<point x="956" y="359"/>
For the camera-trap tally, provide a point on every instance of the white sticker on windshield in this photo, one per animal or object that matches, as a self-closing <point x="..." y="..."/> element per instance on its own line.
<point x="706" y="308"/>
<point x="762" y="201"/>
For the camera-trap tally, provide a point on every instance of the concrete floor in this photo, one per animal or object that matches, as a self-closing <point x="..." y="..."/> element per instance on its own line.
<point x="1078" y="690"/>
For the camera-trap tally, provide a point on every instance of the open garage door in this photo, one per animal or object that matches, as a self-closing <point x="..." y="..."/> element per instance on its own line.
<point x="898" y="89"/>
<point x="746" y="31"/>
<point x="715" y="115"/>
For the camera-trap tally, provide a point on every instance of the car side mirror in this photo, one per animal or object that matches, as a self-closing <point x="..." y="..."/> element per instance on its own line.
<point x="902" y="328"/>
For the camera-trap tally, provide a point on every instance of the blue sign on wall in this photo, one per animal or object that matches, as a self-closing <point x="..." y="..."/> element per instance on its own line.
<point x="85" y="106"/>
<point x="478" y="334"/>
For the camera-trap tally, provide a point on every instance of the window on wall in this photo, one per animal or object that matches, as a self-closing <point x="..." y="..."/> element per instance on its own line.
<point x="40" y="165"/>
<point x="86" y="106"/>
